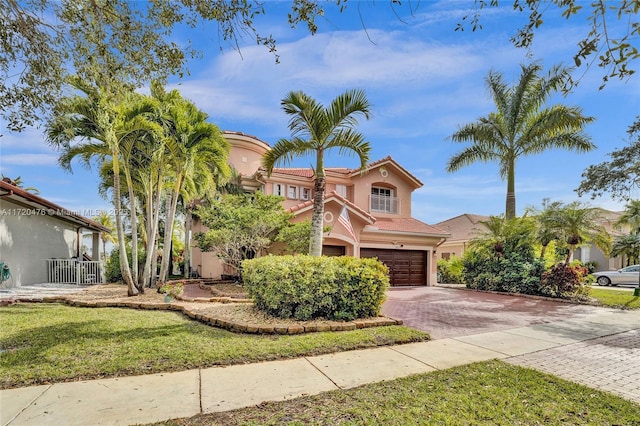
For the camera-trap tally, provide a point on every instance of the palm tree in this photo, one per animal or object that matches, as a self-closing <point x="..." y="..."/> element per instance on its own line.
<point x="20" y="184"/>
<point x="579" y="224"/>
<point x="197" y="157"/>
<point x="631" y="216"/>
<point x="106" y="220"/>
<point x="315" y="130"/>
<point x="521" y="126"/>
<point x="628" y="246"/>
<point x="102" y="121"/>
<point x="502" y="236"/>
<point x="546" y="231"/>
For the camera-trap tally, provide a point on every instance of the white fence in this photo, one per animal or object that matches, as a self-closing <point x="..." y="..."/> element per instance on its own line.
<point x="71" y="271"/>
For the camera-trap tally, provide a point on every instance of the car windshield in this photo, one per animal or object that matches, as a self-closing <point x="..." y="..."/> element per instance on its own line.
<point x="634" y="268"/>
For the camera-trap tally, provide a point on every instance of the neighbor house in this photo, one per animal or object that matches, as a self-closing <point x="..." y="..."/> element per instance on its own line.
<point x="368" y="211"/>
<point x="462" y="230"/>
<point x="465" y="227"/>
<point x="591" y="253"/>
<point x="41" y="242"/>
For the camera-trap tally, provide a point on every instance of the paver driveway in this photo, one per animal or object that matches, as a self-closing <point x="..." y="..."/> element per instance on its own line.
<point x="449" y="312"/>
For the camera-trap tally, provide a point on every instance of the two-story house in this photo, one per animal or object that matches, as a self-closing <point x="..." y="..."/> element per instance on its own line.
<point x="369" y="212"/>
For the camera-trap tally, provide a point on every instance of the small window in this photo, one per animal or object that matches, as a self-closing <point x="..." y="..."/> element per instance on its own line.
<point x="277" y="189"/>
<point x="306" y="194"/>
<point x="341" y="190"/>
<point x="292" y="192"/>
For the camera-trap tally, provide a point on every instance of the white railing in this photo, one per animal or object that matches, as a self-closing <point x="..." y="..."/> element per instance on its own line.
<point x="72" y="271"/>
<point x="384" y="204"/>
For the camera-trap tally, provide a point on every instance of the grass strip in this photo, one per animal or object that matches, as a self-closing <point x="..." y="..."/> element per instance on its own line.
<point x="45" y="343"/>
<point x="487" y="393"/>
<point x="615" y="298"/>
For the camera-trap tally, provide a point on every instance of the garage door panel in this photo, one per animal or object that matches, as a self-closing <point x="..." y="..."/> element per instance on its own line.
<point x="406" y="267"/>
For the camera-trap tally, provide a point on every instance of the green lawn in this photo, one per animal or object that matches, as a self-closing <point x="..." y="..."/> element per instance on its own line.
<point x="53" y="342"/>
<point x="488" y="393"/>
<point x="615" y="298"/>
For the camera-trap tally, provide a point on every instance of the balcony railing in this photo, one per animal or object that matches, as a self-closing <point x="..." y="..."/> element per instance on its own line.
<point x="71" y="271"/>
<point x="384" y="204"/>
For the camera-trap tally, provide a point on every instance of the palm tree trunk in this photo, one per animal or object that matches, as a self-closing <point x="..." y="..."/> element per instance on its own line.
<point x="187" y="243"/>
<point x="510" y="208"/>
<point x="148" y="274"/>
<point x="172" y="202"/>
<point x="132" y="290"/>
<point x="134" y="237"/>
<point x="317" y="217"/>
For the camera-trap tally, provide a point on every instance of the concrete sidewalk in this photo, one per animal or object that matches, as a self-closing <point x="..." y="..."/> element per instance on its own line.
<point x="608" y="339"/>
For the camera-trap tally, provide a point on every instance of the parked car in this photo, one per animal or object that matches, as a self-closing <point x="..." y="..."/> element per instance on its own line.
<point x="628" y="275"/>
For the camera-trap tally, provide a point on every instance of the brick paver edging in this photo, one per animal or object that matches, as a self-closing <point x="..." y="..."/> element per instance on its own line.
<point x="529" y="296"/>
<point x="226" y="324"/>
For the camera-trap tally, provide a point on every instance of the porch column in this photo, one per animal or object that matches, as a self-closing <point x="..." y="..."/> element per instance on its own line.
<point x="95" y="249"/>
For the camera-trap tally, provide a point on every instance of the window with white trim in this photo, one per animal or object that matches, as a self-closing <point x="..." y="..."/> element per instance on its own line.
<point x="305" y="194"/>
<point x="278" y="189"/>
<point x="383" y="200"/>
<point x="292" y="192"/>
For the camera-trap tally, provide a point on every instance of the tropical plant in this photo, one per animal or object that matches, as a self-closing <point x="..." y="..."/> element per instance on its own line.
<point x="522" y="125"/>
<point x="546" y="230"/>
<point x="20" y="184"/>
<point x="579" y="224"/>
<point x="631" y="216"/>
<point x="241" y="226"/>
<point x="106" y="220"/>
<point x="105" y="120"/>
<point x="315" y="130"/>
<point x="197" y="158"/>
<point x="501" y="235"/>
<point x="628" y="246"/>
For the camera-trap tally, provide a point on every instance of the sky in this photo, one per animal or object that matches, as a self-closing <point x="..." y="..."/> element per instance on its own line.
<point x="423" y="79"/>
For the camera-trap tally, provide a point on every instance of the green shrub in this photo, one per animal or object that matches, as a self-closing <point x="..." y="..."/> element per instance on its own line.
<point x="566" y="281"/>
<point x="450" y="271"/>
<point x="512" y="272"/>
<point x="306" y="287"/>
<point x="112" y="267"/>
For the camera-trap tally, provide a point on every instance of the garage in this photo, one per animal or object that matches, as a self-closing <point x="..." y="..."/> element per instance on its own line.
<point x="406" y="267"/>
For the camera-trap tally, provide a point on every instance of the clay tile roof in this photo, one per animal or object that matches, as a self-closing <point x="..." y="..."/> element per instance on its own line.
<point x="340" y="199"/>
<point x="300" y="206"/>
<point x="407" y="225"/>
<point x="307" y="173"/>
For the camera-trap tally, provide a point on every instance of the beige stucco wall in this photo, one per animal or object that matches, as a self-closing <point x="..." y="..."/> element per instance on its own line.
<point x="246" y="152"/>
<point x="28" y="240"/>
<point x="402" y="190"/>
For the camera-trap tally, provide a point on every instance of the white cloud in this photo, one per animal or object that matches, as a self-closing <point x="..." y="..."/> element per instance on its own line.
<point x="30" y="159"/>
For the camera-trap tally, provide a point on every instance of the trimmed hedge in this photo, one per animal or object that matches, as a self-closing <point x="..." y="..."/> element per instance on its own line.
<point x="308" y="287"/>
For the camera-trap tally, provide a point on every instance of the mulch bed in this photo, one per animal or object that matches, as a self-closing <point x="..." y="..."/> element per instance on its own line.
<point x="228" y="312"/>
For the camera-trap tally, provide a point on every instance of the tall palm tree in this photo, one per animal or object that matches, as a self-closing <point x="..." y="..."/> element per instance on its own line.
<point x="521" y="126"/>
<point x="197" y="157"/>
<point x="315" y="130"/>
<point x="101" y="121"/>
<point x="580" y="224"/>
<point x="631" y="216"/>
<point x="106" y="220"/>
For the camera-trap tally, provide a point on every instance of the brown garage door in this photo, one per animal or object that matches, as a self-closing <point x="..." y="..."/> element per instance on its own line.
<point x="406" y="267"/>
